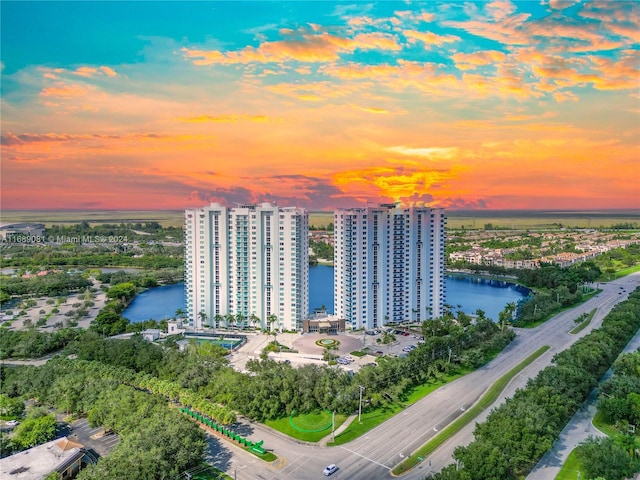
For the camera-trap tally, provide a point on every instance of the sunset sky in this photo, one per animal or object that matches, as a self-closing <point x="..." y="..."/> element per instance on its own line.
<point x="474" y="105"/>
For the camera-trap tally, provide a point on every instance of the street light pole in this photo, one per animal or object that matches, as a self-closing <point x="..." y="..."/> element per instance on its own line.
<point x="360" y="405"/>
<point x="333" y="425"/>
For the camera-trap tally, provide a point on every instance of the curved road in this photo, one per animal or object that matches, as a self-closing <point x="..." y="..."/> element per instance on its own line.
<point x="373" y="455"/>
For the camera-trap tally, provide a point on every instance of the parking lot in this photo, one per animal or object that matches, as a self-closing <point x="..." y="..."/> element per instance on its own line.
<point x="403" y="343"/>
<point x="92" y="438"/>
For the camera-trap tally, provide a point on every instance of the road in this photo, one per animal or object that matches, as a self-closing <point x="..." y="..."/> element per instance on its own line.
<point x="373" y="455"/>
<point x="578" y="429"/>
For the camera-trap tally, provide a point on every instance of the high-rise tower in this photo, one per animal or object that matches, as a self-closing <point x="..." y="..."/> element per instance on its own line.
<point x="249" y="263"/>
<point x="389" y="265"/>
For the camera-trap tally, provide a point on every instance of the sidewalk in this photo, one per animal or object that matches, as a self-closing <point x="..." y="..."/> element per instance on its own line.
<point x="577" y="430"/>
<point x="323" y="442"/>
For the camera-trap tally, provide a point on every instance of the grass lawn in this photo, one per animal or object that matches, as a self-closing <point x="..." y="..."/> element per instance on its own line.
<point x="207" y="472"/>
<point x="582" y="325"/>
<point x="627" y="271"/>
<point x="585" y="297"/>
<point x="606" y="428"/>
<point x="317" y="424"/>
<point x="570" y="468"/>
<point x="458" y="424"/>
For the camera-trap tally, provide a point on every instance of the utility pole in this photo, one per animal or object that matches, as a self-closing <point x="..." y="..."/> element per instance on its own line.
<point x="333" y="425"/>
<point x="360" y="406"/>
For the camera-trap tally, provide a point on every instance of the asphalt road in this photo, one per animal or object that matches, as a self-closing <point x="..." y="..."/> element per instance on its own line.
<point x="373" y="455"/>
<point x="578" y="429"/>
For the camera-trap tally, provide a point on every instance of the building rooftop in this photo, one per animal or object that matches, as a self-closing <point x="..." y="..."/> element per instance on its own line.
<point x="38" y="462"/>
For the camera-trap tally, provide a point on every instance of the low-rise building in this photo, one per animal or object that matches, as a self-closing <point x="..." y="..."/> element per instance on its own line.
<point x="151" y="334"/>
<point x="62" y="456"/>
<point x="323" y="323"/>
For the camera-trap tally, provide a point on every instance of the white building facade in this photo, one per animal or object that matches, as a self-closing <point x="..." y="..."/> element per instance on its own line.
<point x="389" y="265"/>
<point x="249" y="263"/>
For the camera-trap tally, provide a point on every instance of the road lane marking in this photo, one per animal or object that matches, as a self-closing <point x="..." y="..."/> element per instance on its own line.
<point x="366" y="458"/>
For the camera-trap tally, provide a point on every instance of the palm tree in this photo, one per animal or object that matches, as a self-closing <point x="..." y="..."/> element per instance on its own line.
<point x="203" y="318"/>
<point x="218" y="320"/>
<point x="272" y="319"/>
<point x="254" y="320"/>
<point x="239" y="319"/>
<point x="388" y="339"/>
<point x="448" y="310"/>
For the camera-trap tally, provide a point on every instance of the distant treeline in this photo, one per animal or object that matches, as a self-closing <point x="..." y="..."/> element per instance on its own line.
<point x="73" y="255"/>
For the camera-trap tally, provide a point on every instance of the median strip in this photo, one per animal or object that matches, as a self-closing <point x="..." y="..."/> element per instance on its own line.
<point x="485" y="401"/>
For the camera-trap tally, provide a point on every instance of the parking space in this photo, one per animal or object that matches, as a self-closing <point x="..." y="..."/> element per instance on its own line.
<point x="94" y="438"/>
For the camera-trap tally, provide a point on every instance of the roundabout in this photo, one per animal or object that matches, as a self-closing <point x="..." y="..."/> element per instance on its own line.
<point x="328" y="343"/>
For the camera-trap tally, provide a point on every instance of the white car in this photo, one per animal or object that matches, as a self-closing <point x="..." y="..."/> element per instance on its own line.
<point x="12" y="423"/>
<point x="348" y="358"/>
<point x="330" y="469"/>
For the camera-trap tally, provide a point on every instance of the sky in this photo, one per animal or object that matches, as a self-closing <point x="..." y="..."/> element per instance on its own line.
<point x="457" y="104"/>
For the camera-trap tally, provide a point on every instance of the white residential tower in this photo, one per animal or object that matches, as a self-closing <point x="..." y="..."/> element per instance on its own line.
<point x="389" y="265"/>
<point x="249" y="263"/>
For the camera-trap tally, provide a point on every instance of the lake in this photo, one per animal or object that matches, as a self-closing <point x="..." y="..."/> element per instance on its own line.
<point x="470" y="293"/>
<point x="158" y="303"/>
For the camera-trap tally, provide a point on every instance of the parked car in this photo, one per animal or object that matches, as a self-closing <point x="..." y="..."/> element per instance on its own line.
<point x="12" y="423"/>
<point x="348" y="358"/>
<point x="329" y="470"/>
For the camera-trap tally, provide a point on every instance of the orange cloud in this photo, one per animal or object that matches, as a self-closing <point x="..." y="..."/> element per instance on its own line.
<point x="314" y="91"/>
<point x="90" y="72"/>
<point x="301" y="46"/>
<point x="65" y="90"/>
<point x="429" y="38"/>
<point x="399" y="183"/>
<point x="232" y="118"/>
<point x="426" y="152"/>
<point x="372" y="109"/>
<point x="469" y="61"/>
<point x="499" y="9"/>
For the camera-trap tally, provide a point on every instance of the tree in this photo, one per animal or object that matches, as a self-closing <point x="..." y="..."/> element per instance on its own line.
<point x="203" y="318"/>
<point x="124" y="291"/>
<point x="388" y="339"/>
<point x="34" y="431"/>
<point x="228" y="320"/>
<point x="253" y="318"/>
<point x="601" y="457"/>
<point x="272" y="319"/>
<point x="12" y="407"/>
